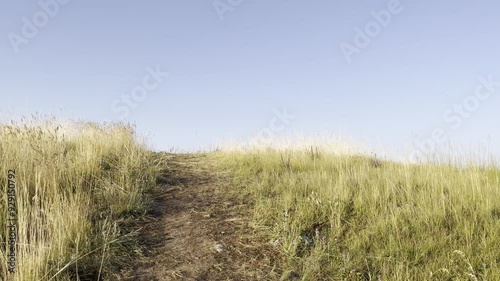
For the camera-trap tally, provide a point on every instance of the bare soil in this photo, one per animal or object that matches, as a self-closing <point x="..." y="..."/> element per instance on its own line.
<point x="200" y="229"/>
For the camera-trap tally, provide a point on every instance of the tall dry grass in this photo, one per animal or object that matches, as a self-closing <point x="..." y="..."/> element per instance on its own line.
<point x="77" y="184"/>
<point x="351" y="217"/>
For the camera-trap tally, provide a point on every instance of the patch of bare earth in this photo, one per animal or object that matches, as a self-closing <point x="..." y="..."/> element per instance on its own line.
<point x="201" y="230"/>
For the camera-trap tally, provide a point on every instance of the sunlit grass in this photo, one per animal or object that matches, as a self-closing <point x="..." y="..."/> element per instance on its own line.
<point x="77" y="184"/>
<point x="333" y="213"/>
<point x="340" y="216"/>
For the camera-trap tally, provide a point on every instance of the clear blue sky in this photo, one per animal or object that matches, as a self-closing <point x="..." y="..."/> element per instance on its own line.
<point x="231" y="63"/>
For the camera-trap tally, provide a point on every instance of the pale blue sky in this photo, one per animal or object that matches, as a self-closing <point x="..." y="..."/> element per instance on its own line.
<point x="226" y="76"/>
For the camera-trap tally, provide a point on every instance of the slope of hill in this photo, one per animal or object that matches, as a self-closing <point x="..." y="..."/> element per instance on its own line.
<point x="91" y="202"/>
<point x="348" y="217"/>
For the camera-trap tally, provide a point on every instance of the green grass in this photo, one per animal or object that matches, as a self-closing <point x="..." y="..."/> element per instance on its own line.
<point x="78" y="186"/>
<point x="373" y="220"/>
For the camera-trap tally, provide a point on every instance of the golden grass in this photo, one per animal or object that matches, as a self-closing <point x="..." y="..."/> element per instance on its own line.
<point x="351" y="217"/>
<point x="334" y="215"/>
<point x="77" y="184"/>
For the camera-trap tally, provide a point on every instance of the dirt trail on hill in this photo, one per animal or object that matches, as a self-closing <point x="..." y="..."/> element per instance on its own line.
<point x="200" y="229"/>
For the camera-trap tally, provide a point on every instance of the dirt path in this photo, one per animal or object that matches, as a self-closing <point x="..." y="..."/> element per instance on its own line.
<point x="200" y="230"/>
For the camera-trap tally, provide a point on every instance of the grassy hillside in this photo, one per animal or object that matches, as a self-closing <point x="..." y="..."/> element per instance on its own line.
<point x="77" y="185"/>
<point x="338" y="217"/>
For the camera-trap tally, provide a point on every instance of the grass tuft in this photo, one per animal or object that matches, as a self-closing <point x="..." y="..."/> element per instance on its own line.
<point x="78" y="186"/>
